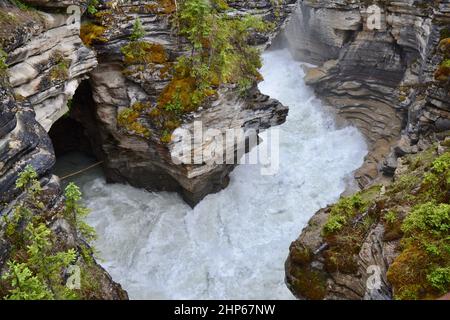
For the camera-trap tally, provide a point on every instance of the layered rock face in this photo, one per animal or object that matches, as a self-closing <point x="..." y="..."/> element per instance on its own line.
<point x="46" y="62"/>
<point x="388" y="82"/>
<point x="380" y="79"/>
<point x="141" y="158"/>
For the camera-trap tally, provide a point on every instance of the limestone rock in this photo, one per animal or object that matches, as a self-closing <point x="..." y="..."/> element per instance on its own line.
<point x="147" y="162"/>
<point x="382" y="80"/>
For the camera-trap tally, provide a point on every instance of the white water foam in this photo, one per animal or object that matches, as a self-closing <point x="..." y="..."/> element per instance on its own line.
<point x="234" y="243"/>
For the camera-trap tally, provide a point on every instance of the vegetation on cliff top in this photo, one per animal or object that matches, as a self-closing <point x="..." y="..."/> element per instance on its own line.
<point x="38" y="260"/>
<point x="219" y="53"/>
<point x="421" y="271"/>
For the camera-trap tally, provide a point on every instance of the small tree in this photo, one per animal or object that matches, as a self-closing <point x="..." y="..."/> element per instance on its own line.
<point x="138" y="30"/>
<point x="75" y="213"/>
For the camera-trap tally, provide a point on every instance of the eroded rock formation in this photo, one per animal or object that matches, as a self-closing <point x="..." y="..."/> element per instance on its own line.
<point x="391" y="84"/>
<point x="117" y="85"/>
<point x="381" y="80"/>
<point x="46" y="62"/>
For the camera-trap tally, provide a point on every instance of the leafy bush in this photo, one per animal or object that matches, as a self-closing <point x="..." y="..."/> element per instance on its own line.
<point x="340" y="213"/>
<point x="390" y="217"/>
<point x="76" y="213"/>
<point x="26" y="286"/>
<point x="440" y="279"/>
<point x="334" y="223"/>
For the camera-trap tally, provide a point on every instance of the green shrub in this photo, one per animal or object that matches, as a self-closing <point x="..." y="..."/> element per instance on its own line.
<point x="76" y="213"/>
<point x="340" y="213"/>
<point x="334" y="224"/>
<point x="390" y="217"/>
<point x="25" y="285"/>
<point x="428" y="217"/>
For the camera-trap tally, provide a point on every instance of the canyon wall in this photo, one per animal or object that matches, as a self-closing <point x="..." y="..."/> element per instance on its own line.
<point x="50" y="69"/>
<point x="392" y="83"/>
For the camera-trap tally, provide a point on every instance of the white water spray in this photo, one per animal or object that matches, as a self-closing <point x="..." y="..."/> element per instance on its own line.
<point x="234" y="243"/>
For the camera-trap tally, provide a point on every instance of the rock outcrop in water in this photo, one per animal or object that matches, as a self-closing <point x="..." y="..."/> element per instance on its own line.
<point x="393" y="84"/>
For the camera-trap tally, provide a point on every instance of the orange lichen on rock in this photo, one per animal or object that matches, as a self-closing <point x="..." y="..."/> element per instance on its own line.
<point x="183" y="88"/>
<point x="141" y="52"/>
<point x="91" y="33"/>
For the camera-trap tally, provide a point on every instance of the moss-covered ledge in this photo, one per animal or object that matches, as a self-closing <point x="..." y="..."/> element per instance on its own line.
<point x="403" y="228"/>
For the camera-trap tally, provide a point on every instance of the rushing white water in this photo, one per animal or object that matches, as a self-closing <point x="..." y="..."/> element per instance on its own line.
<point x="234" y="243"/>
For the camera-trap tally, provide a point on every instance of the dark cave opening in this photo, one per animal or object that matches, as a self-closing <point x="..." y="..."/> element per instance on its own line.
<point x="69" y="135"/>
<point x="75" y="136"/>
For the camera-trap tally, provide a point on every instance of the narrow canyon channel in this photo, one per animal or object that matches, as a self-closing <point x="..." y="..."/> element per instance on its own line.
<point x="234" y="243"/>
